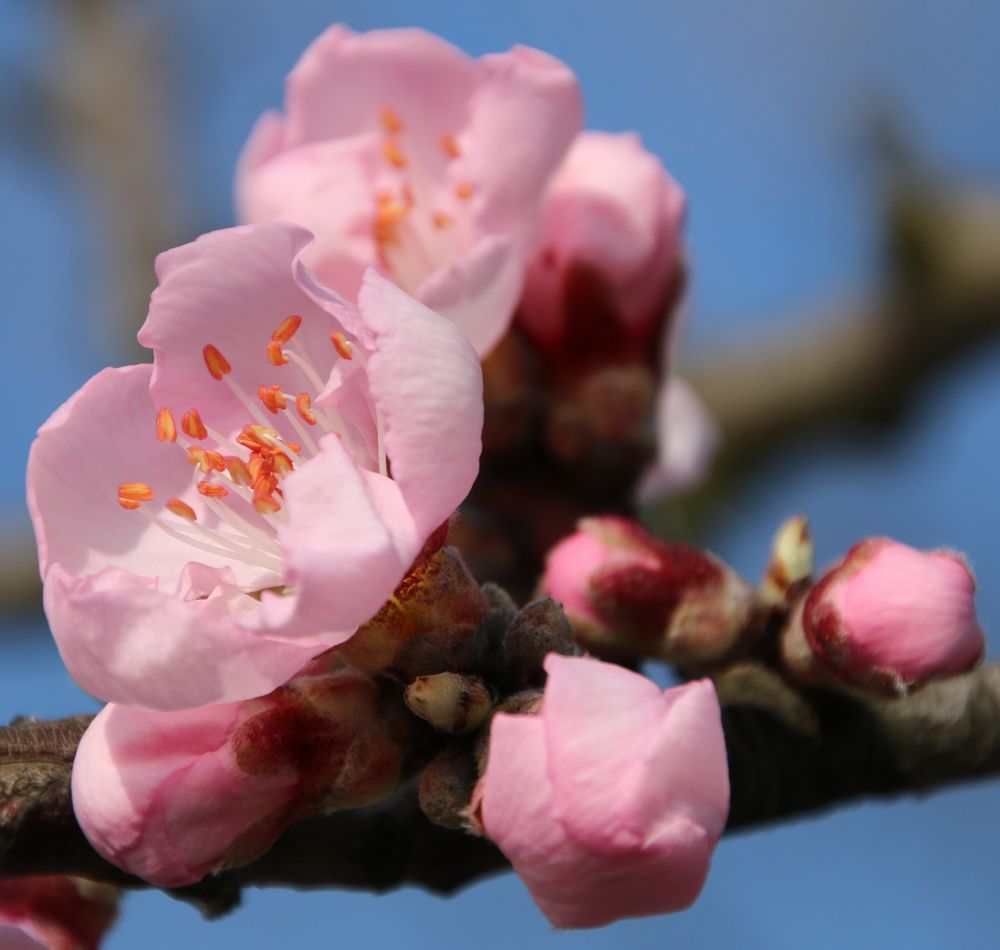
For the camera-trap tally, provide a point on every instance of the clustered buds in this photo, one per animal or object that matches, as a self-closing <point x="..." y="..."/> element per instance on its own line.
<point x="628" y="594"/>
<point x="887" y="617"/>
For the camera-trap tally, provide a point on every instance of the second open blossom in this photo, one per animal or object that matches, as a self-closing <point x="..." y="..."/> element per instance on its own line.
<point x="208" y="524"/>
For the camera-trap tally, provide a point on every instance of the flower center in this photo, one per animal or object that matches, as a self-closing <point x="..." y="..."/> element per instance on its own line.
<point x="417" y="226"/>
<point x="239" y="479"/>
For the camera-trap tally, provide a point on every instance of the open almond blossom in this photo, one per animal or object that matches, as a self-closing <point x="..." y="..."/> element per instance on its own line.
<point x="401" y="151"/>
<point x="610" y="801"/>
<point x="208" y="524"/>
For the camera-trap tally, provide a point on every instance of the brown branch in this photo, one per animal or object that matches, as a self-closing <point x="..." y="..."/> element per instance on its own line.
<point x="789" y="753"/>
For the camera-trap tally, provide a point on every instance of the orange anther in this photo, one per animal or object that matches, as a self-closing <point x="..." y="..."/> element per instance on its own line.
<point x="286" y="329"/>
<point x="442" y="220"/>
<point x="387" y="218"/>
<point x="303" y="403"/>
<point x="206" y="459"/>
<point x="265" y="504"/>
<point x="182" y="509"/>
<point x="390" y="120"/>
<point x="217" y="364"/>
<point x="192" y="425"/>
<point x="393" y="153"/>
<point x="464" y="190"/>
<point x="166" y="430"/>
<point x="256" y="437"/>
<point x="281" y="463"/>
<point x="211" y="489"/>
<point x="131" y="493"/>
<point x="341" y="345"/>
<point x="450" y="146"/>
<point x="238" y="470"/>
<point x="295" y="447"/>
<point x="275" y="355"/>
<point x="272" y="397"/>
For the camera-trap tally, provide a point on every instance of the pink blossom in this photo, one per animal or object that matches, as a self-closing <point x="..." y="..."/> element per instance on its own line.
<point x="629" y="594"/>
<point x="610" y="801"/>
<point x="172" y="796"/>
<point x="400" y="151"/>
<point x="891" y="617"/>
<point x="53" y="912"/>
<point x="609" y="252"/>
<point x="208" y="524"/>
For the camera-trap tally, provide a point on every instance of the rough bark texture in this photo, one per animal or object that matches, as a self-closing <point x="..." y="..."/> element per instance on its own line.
<point x="790" y="753"/>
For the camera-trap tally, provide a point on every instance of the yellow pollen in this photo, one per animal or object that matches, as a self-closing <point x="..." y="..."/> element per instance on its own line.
<point x="192" y="425"/>
<point x="450" y="146"/>
<point x="216" y="363"/>
<point x="211" y="490"/>
<point x="286" y="329"/>
<point x="464" y="190"/>
<point x="131" y="493"/>
<point x="390" y="120"/>
<point x="303" y="403"/>
<point x="273" y="398"/>
<point x="182" y="509"/>
<point x="238" y="470"/>
<point x="393" y="153"/>
<point x="275" y="354"/>
<point x="206" y="459"/>
<point x="166" y="429"/>
<point x="442" y="220"/>
<point x="341" y="345"/>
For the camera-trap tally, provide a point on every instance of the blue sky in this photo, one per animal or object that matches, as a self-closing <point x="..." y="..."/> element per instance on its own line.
<point x="763" y="112"/>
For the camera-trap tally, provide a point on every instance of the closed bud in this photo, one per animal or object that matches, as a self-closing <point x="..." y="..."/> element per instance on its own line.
<point x="54" y="912"/>
<point x="628" y="594"/>
<point x="888" y="617"/>
<point x="446" y="787"/>
<point x="424" y="623"/>
<point x="198" y="790"/>
<point x="538" y="629"/>
<point x="450" y="702"/>
<point x="793" y="559"/>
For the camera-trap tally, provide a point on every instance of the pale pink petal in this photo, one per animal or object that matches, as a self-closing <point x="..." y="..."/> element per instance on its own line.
<point x="102" y="436"/>
<point x="569" y="567"/>
<point x="231" y="289"/>
<point x="687" y="439"/>
<point x="159" y="793"/>
<point x="327" y="187"/>
<point x="266" y="140"/>
<point x="344" y="80"/>
<point x="478" y="291"/>
<point x="348" y="541"/>
<point x="125" y="639"/>
<point x="427" y="384"/>
<point x="524" y="116"/>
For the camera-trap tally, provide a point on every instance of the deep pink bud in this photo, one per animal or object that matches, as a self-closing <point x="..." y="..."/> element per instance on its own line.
<point x="609" y="253"/>
<point x="628" y="594"/>
<point x="172" y="796"/>
<point x="888" y="616"/>
<point x="609" y="802"/>
<point x="53" y="912"/>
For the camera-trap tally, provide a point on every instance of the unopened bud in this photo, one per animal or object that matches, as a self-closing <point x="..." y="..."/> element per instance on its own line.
<point x="54" y="912"/>
<point x="628" y="594"/>
<point x="540" y="628"/>
<point x="793" y="559"/>
<point x="888" y="617"/>
<point x="446" y="787"/>
<point x="450" y="702"/>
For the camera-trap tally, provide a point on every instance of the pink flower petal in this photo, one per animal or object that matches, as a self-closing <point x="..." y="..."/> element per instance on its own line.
<point x="427" y="383"/>
<point x="523" y="118"/>
<point x="348" y="541"/>
<point x="102" y="436"/>
<point x="125" y="639"/>
<point x="478" y="291"/>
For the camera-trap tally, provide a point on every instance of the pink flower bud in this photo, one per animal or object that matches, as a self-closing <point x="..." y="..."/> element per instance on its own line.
<point x="888" y="616"/>
<point x="610" y="801"/>
<point x="172" y="796"/>
<point x="628" y="594"/>
<point x="609" y="253"/>
<point x="55" y="913"/>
